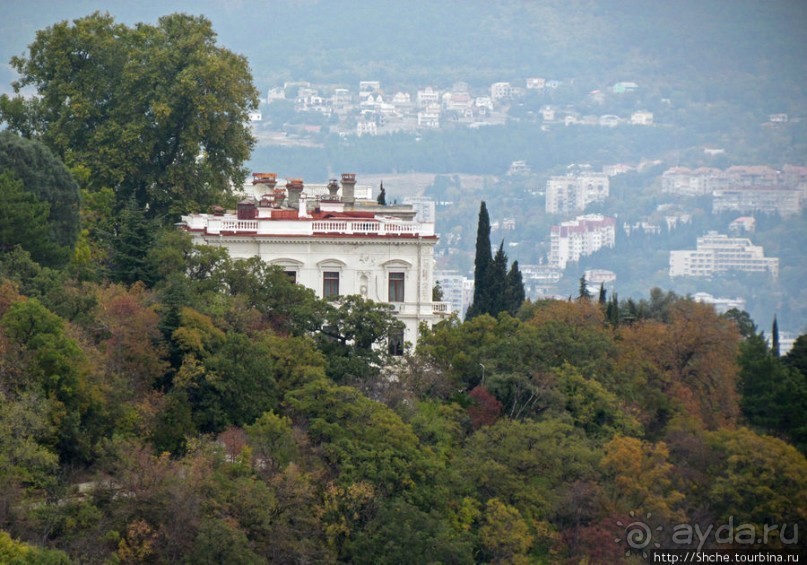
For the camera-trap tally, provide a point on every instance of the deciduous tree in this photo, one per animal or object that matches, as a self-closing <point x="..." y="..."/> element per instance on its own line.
<point x="156" y="112"/>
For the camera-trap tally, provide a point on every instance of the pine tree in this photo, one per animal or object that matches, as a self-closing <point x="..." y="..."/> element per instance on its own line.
<point x="131" y="245"/>
<point x="482" y="263"/>
<point x="602" y="299"/>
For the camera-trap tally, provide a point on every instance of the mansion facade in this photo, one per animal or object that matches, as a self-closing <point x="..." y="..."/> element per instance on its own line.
<point x="334" y="243"/>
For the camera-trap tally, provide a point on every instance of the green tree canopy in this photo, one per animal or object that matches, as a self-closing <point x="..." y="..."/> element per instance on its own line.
<point x="155" y="112"/>
<point x="50" y="193"/>
<point x="22" y="223"/>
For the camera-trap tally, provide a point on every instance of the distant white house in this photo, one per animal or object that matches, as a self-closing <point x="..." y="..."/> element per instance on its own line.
<point x="642" y="118"/>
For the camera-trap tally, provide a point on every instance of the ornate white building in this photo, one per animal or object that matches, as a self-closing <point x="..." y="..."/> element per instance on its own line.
<point x="334" y="244"/>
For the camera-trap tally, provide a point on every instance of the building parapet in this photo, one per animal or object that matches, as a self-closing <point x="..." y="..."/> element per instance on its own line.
<point x="216" y="225"/>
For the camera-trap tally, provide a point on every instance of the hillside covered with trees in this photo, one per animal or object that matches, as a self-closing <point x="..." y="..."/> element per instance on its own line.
<point x="161" y="402"/>
<point x="215" y="415"/>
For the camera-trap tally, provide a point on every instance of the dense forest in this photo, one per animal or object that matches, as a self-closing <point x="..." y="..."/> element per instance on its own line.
<point x="161" y="402"/>
<point x="214" y="415"/>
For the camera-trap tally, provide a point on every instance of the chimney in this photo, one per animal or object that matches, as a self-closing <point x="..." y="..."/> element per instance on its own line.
<point x="280" y="196"/>
<point x="294" y="188"/>
<point x="348" y="188"/>
<point x="302" y="212"/>
<point x="268" y="179"/>
<point x="333" y="188"/>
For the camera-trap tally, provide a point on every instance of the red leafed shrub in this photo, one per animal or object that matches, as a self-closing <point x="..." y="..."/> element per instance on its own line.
<point x="485" y="410"/>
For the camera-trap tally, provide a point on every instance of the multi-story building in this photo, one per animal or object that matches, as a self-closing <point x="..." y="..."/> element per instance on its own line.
<point x="721" y="305"/>
<point x="642" y="118"/>
<point x="501" y="90"/>
<point x="742" y="188"/>
<point x="764" y="199"/>
<point x="428" y="97"/>
<point x="687" y="182"/>
<point x="334" y="244"/>
<point x="572" y="193"/>
<point x="453" y="286"/>
<point x="429" y="119"/>
<point x="717" y="253"/>
<point x="580" y="237"/>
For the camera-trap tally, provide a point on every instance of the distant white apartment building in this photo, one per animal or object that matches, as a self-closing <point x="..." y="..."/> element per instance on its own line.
<point x="717" y="253"/>
<point x="596" y="278"/>
<point x="341" y="98"/>
<point x="764" y="199"/>
<point x="536" y="83"/>
<point x="484" y="103"/>
<point x="429" y="119"/>
<point x="366" y="127"/>
<point x="580" y="237"/>
<point x="453" y="286"/>
<point x="367" y="87"/>
<point x="688" y="182"/>
<point x="642" y="118"/>
<point x="428" y="97"/>
<point x="500" y="90"/>
<point x="572" y="193"/>
<point x="721" y="305"/>
<point x="402" y="99"/>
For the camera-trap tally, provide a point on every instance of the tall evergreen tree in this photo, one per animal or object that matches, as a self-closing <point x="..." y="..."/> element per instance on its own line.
<point x="603" y="294"/>
<point x="514" y="289"/>
<point x="775" y="337"/>
<point x="495" y="289"/>
<point x="612" y="311"/>
<point x="583" y="293"/>
<point x="131" y="244"/>
<point x="497" y="282"/>
<point x="482" y="262"/>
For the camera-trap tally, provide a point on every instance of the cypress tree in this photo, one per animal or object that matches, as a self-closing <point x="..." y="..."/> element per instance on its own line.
<point x="482" y="262"/>
<point x="775" y="337"/>
<point x="612" y="311"/>
<point x="495" y="289"/>
<point x="583" y="293"/>
<point x="514" y="289"/>
<point x="602" y="294"/>
<point x="497" y="283"/>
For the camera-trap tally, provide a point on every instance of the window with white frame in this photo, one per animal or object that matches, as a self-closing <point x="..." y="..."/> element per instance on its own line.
<point x="330" y="284"/>
<point x="396" y="287"/>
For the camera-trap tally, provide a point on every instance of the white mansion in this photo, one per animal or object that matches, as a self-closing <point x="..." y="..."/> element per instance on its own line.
<point x="334" y="243"/>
